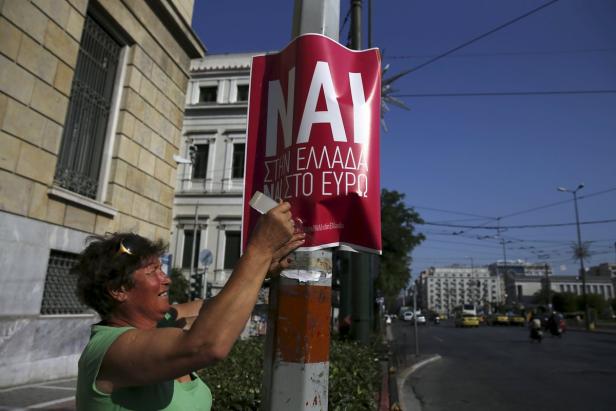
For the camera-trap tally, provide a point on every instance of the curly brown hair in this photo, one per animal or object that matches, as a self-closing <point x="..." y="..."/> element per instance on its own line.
<point x="108" y="263"/>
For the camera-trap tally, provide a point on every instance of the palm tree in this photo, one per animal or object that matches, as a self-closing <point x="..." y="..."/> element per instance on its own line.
<point x="581" y="251"/>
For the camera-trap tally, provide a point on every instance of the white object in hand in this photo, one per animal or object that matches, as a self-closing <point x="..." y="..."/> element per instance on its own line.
<point x="262" y="203"/>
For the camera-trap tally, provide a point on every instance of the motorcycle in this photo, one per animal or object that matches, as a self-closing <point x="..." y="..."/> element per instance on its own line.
<point x="556" y="325"/>
<point x="536" y="335"/>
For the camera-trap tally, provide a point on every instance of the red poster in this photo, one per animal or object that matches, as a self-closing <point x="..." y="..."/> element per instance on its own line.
<point x="313" y="140"/>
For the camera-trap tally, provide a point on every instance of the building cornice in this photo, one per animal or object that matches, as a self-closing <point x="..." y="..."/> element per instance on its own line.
<point x="181" y="30"/>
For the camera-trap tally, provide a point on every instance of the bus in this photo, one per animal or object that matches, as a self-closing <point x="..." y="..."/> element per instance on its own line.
<point x="466" y="316"/>
<point x="469" y="309"/>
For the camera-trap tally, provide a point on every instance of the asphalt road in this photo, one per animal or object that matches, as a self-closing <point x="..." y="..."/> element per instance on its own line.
<point x="497" y="368"/>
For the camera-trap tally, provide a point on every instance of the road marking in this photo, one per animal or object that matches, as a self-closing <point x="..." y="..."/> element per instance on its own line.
<point x="53" y="387"/>
<point x="48" y="403"/>
<point x="404" y="375"/>
<point x="438" y="339"/>
<point x="36" y="385"/>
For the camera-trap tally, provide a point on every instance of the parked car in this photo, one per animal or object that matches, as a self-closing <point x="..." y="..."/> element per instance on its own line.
<point x="499" y="319"/>
<point x="517" y="319"/>
<point x="407" y="316"/>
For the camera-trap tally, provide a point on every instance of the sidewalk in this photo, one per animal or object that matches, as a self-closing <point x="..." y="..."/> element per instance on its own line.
<point x="601" y="327"/>
<point x="58" y="395"/>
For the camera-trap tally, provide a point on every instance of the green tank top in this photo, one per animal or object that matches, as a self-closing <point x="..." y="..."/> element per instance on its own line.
<point x="168" y="396"/>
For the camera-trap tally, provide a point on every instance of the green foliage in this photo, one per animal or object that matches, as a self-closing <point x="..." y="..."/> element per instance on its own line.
<point x="399" y="238"/>
<point x="236" y="381"/>
<point x="541" y="296"/>
<point x="594" y="301"/>
<point x="178" y="292"/>
<point x="565" y="302"/>
<point x="354" y="377"/>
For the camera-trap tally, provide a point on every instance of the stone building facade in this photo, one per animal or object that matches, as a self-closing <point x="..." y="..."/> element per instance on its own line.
<point x="92" y="97"/>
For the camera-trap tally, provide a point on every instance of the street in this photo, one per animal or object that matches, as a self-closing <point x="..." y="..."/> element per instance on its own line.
<point x="497" y="368"/>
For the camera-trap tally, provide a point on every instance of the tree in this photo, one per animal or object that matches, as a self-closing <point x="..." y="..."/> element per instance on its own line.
<point x="565" y="302"/>
<point x="178" y="292"/>
<point x="541" y="296"/>
<point x="580" y="251"/>
<point x="399" y="238"/>
<point x="594" y="301"/>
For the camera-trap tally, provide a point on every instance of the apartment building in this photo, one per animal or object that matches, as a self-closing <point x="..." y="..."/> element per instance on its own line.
<point x="444" y="288"/>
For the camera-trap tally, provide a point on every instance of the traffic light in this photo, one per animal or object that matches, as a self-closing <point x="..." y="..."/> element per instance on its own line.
<point x="196" y="286"/>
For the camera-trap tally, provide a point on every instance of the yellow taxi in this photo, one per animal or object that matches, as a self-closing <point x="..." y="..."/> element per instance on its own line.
<point x="517" y="319"/>
<point x="499" y="319"/>
<point x="467" y="320"/>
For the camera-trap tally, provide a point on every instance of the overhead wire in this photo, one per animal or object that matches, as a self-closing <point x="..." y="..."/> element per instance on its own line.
<point x="477" y="38"/>
<point x="521" y="226"/>
<point x="505" y="93"/>
<point x="505" y="53"/>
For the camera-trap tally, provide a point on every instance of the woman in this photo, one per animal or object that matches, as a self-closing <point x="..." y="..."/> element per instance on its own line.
<point x="129" y="363"/>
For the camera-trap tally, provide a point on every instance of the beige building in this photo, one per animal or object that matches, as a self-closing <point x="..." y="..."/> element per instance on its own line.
<point x="442" y="289"/>
<point x="92" y="96"/>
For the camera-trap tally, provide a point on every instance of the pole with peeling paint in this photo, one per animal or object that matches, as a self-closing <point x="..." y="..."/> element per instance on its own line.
<point x="296" y="365"/>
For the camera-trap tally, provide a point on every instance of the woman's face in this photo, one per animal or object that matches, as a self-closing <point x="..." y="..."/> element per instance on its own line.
<point x="150" y="294"/>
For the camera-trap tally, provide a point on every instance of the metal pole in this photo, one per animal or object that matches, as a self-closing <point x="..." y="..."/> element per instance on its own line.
<point x="194" y="242"/>
<point x="582" y="269"/>
<point x="356" y="24"/>
<point x="415" y="319"/>
<point x="505" y="260"/>
<point x="369" y="24"/>
<point x="296" y="366"/>
<point x="361" y="263"/>
<point x="548" y="290"/>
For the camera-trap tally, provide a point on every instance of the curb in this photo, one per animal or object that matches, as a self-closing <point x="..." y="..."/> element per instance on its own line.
<point x="408" y="371"/>
<point x="401" y="379"/>
<point x="595" y="331"/>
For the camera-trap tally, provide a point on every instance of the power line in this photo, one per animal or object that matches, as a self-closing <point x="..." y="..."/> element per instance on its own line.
<point x="473" y="40"/>
<point x="520" y="226"/>
<point x="558" y="203"/>
<point x="508" y="93"/>
<point x="504" y="53"/>
<point x="451" y="212"/>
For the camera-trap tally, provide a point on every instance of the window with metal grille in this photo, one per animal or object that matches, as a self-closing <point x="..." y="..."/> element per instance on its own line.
<point x="85" y="128"/>
<point x="59" y="296"/>
<point x="189" y="239"/>
<point x="238" y="160"/>
<point x="232" y="248"/>
<point x="201" y="154"/>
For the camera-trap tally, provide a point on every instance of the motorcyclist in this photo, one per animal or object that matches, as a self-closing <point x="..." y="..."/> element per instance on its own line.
<point x="554" y="324"/>
<point x="535" y="329"/>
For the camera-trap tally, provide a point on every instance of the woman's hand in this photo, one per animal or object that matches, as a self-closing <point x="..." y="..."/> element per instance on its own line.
<point x="273" y="230"/>
<point x="281" y="259"/>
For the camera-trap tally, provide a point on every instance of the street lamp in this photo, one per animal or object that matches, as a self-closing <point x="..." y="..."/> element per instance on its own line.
<point x="580" y="256"/>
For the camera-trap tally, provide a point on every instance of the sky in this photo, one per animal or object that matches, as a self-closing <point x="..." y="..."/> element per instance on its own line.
<point x="487" y="160"/>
